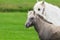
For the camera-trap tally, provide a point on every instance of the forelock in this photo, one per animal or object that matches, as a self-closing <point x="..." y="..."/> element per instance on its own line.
<point x="30" y="13"/>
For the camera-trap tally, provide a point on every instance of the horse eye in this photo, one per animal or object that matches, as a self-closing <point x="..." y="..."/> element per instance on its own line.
<point x="32" y="18"/>
<point x="38" y="9"/>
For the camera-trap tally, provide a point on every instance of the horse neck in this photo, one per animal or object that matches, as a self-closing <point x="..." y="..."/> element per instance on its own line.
<point x="42" y="27"/>
<point x="39" y="24"/>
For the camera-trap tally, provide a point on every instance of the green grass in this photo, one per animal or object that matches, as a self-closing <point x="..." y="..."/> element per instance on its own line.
<point x="17" y="4"/>
<point x="22" y="4"/>
<point x="12" y="27"/>
<point x="12" y="23"/>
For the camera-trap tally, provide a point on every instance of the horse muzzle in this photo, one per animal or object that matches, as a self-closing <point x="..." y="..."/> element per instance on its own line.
<point x="28" y="25"/>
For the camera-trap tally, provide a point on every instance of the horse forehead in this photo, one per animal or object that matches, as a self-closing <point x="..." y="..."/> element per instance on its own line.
<point x="31" y="15"/>
<point x="38" y="4"/>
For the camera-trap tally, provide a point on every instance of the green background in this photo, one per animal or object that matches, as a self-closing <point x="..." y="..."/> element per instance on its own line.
<point x="12" y="24"/>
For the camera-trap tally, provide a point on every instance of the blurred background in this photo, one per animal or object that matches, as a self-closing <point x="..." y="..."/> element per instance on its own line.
<point x="21" y="5"/>
<point x="13" y="14"/>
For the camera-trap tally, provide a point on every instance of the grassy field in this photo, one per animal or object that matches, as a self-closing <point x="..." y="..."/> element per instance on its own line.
<point x="12" y="27"/>
<point x="22" y="4"/>
<point x="12" y="23"/>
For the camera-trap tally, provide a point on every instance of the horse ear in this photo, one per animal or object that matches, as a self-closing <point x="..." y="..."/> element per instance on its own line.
<point x="29" y="12"/>
<point x="43" y="2"/>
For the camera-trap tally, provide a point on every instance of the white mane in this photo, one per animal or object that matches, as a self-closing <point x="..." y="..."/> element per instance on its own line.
<point x="51" y="13"/>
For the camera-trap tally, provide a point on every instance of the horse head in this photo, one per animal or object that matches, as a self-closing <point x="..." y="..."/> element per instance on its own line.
<point x="30" y="19"/>
<point x="39" y="7"/>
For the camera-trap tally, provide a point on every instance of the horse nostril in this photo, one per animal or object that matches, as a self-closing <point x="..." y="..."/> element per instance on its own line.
<point x="27" y="25"/>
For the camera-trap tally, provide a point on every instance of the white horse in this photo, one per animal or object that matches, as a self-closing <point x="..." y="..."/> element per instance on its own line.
<point x="50" y="12"/>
